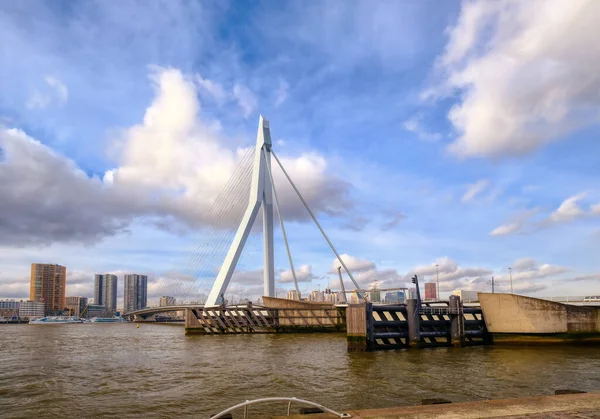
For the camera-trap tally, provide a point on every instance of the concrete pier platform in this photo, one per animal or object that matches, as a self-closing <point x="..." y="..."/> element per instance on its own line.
<point x="584" y="405"/>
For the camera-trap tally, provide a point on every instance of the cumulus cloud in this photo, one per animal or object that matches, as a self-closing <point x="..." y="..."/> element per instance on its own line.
<point x="54" y="93"/>
<point x="304" y="273"/>
<point x="475" y="189"/>
<point x="523" y="72"/>
<point x="47" y="198"/>
<point x="516" y="225"/>
<point x="366" y="272"/>
<point x="569" y="210"/>
<point x="354" y="264"/>
<point x="451" y="275"/>
<point x="171" y="165"/>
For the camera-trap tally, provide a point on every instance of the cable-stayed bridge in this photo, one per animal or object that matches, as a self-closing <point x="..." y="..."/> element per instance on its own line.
<point x="203" y="277"/>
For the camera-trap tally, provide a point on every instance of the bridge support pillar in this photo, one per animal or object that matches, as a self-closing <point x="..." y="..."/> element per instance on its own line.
<point x="457" y="322"/>
<point x="356" y="327"/>
<point x="414" y="323"/>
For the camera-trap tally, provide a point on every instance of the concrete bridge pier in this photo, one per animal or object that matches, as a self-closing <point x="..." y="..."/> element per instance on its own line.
<point x="457" y="323"/>
<point x="414" y="323"/>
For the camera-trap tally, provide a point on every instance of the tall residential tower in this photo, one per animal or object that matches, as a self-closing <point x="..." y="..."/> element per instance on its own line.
<point x="48" y="285"/>
<point x="105" y="291"/>
<point x="136" y="292"/>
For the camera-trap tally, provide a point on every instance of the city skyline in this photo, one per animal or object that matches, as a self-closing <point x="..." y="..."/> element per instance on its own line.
<point x="436" y="150"/>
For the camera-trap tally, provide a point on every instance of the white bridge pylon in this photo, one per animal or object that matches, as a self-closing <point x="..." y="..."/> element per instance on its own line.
<point x="262" y="193"/>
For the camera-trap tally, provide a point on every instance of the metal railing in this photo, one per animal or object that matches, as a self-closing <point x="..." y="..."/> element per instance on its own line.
<point x="290" y="400"/>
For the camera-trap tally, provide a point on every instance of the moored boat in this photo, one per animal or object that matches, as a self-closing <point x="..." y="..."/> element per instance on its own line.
<point x="108" y="320"/>
<point x="56" y="320"/>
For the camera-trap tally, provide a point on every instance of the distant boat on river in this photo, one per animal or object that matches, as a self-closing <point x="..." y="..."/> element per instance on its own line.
<point x="57" y="320"/>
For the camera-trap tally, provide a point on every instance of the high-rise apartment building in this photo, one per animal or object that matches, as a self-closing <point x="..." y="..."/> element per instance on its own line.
<point x="136" y="292"/>
<point x="76" y="305"/>
<point x="165" y="301"/>
<point x="430" y="291"/>
<point x="105" y="291"/>
<point x="47" y="285"/>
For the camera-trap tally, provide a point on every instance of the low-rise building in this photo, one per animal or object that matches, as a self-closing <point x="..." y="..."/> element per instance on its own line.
<point x="317" y="296"/>
<point x="9" y="308"/>
<point x="29" y="309"/>
<point x="96" y="310"/>
<point x="76" y="305"/>
<point x="293" y="295"/>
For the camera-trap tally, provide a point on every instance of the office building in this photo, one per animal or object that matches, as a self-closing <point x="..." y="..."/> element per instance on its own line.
<point x="374" y="295"/>
<point x="9" y="308"/>
<point x="430" y="291"/>
<point x="105" y="291"/>
<point x="293" y="295"/>
<point x="167" y="301"/>
<point x="136" y="292"/>
<point x="76" y="305"/>
<point x="96" y="310"/>
<point x="395" y="297"/>
<point x="29" y="309"/>
<point x="47" y="285"/>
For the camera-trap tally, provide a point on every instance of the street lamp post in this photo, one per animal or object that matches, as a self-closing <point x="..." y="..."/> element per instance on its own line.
<point x="511" y="286"/>
<point x="437" y="273"/>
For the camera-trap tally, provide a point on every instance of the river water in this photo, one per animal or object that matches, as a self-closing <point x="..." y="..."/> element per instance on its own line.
<point x="109" y="370"/>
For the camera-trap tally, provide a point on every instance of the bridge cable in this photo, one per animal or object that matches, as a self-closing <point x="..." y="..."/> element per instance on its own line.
<point x="317" y="222"/>
<point x="215" y="226"/>
<point x="213" y="222"/>
<point x="287" y="246"/>
<point x="217" y="232"/>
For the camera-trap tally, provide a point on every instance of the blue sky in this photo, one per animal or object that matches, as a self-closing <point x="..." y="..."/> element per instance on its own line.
<point x="462" y="134"/>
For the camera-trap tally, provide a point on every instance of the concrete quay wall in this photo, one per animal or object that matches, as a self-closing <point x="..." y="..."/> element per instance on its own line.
<point x="584" y="405"/>
<point x="517" y="314"/>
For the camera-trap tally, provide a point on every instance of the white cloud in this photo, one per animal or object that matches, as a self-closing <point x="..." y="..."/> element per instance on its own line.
<point x="506" y="229"/>
<point x="366" y="273"/>
<point x="245" y="98"/>
<point x="475" y="189"/>
<point x="517" y="224"/>
<point x="569" y="210"/>
<point x="523" y="69"/>
<point x="170" y="165"/>
<point x="304" y="273"/>
<point x="415" y="125"/>
<point x="524" y="264"/>
<point x="281" y="93"/>
<point x="55" y="93"/>
<point x="213" y="88"/>
<point x="354" y="264"/>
